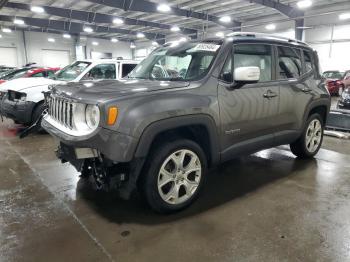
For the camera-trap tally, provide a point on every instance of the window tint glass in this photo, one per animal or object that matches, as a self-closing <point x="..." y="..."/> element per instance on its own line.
<point x="102" y="71"/>
<point x="127" y="68"/>
<point x="308" y="61"/>
<point x="254" y="55"/>
<point x="226" y="73"/>
<point x="41" y="74"/>
<point x="289" y="62"/>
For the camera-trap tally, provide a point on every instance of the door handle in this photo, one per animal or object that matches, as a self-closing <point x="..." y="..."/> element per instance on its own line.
<point x="269" y="94"/>
<point x="306" y="90"/>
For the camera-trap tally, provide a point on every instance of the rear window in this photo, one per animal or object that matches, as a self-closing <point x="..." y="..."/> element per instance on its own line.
<point x="127" y="68"/>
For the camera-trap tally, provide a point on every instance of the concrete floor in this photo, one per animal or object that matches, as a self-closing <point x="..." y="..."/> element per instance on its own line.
<point x="264" y="207"/>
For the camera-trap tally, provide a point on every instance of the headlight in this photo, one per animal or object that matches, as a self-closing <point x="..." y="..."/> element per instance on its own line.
<point x="86" y="117"/>
<point x="92" y="116"/>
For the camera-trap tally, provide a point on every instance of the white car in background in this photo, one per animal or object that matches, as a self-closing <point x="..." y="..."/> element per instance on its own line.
<point x="23" y="100"/>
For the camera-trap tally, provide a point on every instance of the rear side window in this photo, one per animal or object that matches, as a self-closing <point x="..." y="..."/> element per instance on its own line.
<point x="127" y="68"/>
<point x="41" y="74"/>
<point x="254" y="55"/>
<point x="289" y="63"/>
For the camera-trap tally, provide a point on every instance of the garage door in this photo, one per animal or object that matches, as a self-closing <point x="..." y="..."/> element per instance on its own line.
<point x="8" y="56"/>
<point x="53" y="58"/>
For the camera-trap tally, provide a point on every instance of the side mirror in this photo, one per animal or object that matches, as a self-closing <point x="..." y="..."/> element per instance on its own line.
<point x="247" y="75"/>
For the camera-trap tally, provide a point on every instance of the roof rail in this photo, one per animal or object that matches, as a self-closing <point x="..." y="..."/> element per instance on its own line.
<point x="269" y="36"/>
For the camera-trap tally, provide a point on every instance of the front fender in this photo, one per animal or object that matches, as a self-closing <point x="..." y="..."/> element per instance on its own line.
<point x="35" y="94"/>
<point x="154" y="129"/>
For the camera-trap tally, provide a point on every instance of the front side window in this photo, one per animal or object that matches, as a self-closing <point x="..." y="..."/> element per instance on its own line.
<point x="71" y="72"/>
<point x="254" y="55"/>
<point x="289" y="63"/>
<point x="177" y="62"/>
<point x="102" y="71"/>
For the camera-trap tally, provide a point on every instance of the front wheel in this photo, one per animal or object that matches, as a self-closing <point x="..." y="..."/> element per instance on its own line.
<point x="309" y="143"/>
<point x="174" y="175"/>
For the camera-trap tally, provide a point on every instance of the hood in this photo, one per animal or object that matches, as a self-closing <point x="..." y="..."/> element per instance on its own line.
<point x="24" y="83"/>
<point x="106" y="89"/>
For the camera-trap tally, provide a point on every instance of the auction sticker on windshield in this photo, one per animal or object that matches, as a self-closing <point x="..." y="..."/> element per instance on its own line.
<point x="204" y="47"/>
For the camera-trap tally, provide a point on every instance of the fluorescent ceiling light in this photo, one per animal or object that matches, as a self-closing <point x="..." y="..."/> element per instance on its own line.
<point x="114" y="40"/>
<point x="344" y="16"/>
<point x="175" y="28"/>
<point x="132" y="46"/>
<point x="50" y="39"/>
<point x="66" y="35"/>
<point x="140" y="35"/>
<point x="270" y="27"/>
<point x="225" y="19"/>
<point x="18" y="22"/>
<point x="183" y="39"/>
<point x="118" y="21"/>
<point x="95" y="43"/>
<point x="304" y="4"/>
<point x="163" y="8"/>
<point x="6" y="30"/>
<point x="0" y="36"/>
<point x="220" y="34"/>
<point x="37" y="9"/>
<point x="304" y="27"/>
<point x="88" y="29"/>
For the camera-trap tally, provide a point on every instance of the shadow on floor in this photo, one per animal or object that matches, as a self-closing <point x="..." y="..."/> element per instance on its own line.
<point x="230" y="181"/>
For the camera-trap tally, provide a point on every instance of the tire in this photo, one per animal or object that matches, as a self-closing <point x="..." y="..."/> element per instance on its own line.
<point x="38" y="110"/>
<point x="301" y="148"/>
<point x="170" y="197"/>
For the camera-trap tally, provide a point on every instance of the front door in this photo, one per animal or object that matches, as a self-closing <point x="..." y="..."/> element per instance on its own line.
<point x="248" y="113"/>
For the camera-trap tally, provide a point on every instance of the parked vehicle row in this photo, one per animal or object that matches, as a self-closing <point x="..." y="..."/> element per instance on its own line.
<point x="23" y="98"/>
<point x="336" y="81"/>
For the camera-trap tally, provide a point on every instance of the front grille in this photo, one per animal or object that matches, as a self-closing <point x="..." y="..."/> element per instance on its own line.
<point x="61" y="110"/>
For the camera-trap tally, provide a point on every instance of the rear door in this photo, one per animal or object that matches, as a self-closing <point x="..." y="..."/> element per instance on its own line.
<point x="248" y="114"/>
<point x="297" y="82"/>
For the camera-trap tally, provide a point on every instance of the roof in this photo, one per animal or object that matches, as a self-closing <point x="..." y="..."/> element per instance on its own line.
<point x="108" y="60"/>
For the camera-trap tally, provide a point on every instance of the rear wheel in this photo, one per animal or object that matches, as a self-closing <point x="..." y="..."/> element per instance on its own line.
<point x="310" y="142"/>
<point x="174" y="175"/>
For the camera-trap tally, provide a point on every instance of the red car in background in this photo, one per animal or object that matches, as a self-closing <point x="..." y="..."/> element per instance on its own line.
<point x="32" y="72"/>
<point x="334" y="82"/>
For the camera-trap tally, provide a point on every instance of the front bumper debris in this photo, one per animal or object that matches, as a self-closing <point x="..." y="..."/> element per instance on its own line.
<point x="19" y="111"/>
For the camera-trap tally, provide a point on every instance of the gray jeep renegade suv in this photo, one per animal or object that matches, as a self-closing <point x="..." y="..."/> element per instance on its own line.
<point x="188" y="107"/>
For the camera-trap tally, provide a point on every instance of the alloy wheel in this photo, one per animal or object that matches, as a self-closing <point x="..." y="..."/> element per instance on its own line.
<point x="313" y="135"/>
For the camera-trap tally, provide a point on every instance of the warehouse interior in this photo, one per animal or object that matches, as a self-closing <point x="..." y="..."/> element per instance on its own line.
<point x="264" y="206"/>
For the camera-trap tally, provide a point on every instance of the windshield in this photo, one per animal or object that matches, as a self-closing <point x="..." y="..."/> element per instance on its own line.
<point x="177" y="62"/>
<point x="71" y="72"/>
<point x="333" y="75"/>
<point x="15" y="73"/>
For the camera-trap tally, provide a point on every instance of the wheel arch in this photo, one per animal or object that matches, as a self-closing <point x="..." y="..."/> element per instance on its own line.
<point x="200" y="128"/>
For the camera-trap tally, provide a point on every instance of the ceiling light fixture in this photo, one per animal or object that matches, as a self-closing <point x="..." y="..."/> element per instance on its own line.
<point x="114" y="40"/>
<point x="344" y="16"/>
<point x="66" y="36"/>
<point x="95" y="43"/>
<point x="118" y="21"/>
<point x="0" y="36"/>
<point x="140" y="35"/>
<point x="183" y="39"/>
<point x="270" y="27"/>
<point x="37" y="9"/>
<point x="163" y="8"/>
<point x="304" y="4"/>
<point x="225" y="19"/>
<point x="18" y="22"/>
<point x="175" y="28"/>
<point x="88" y="29"/>
<point x="220" y="34"/>
<point x="6" y="30"/>
<point x="132" y="46"/>
<point x="51" y="40"/>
